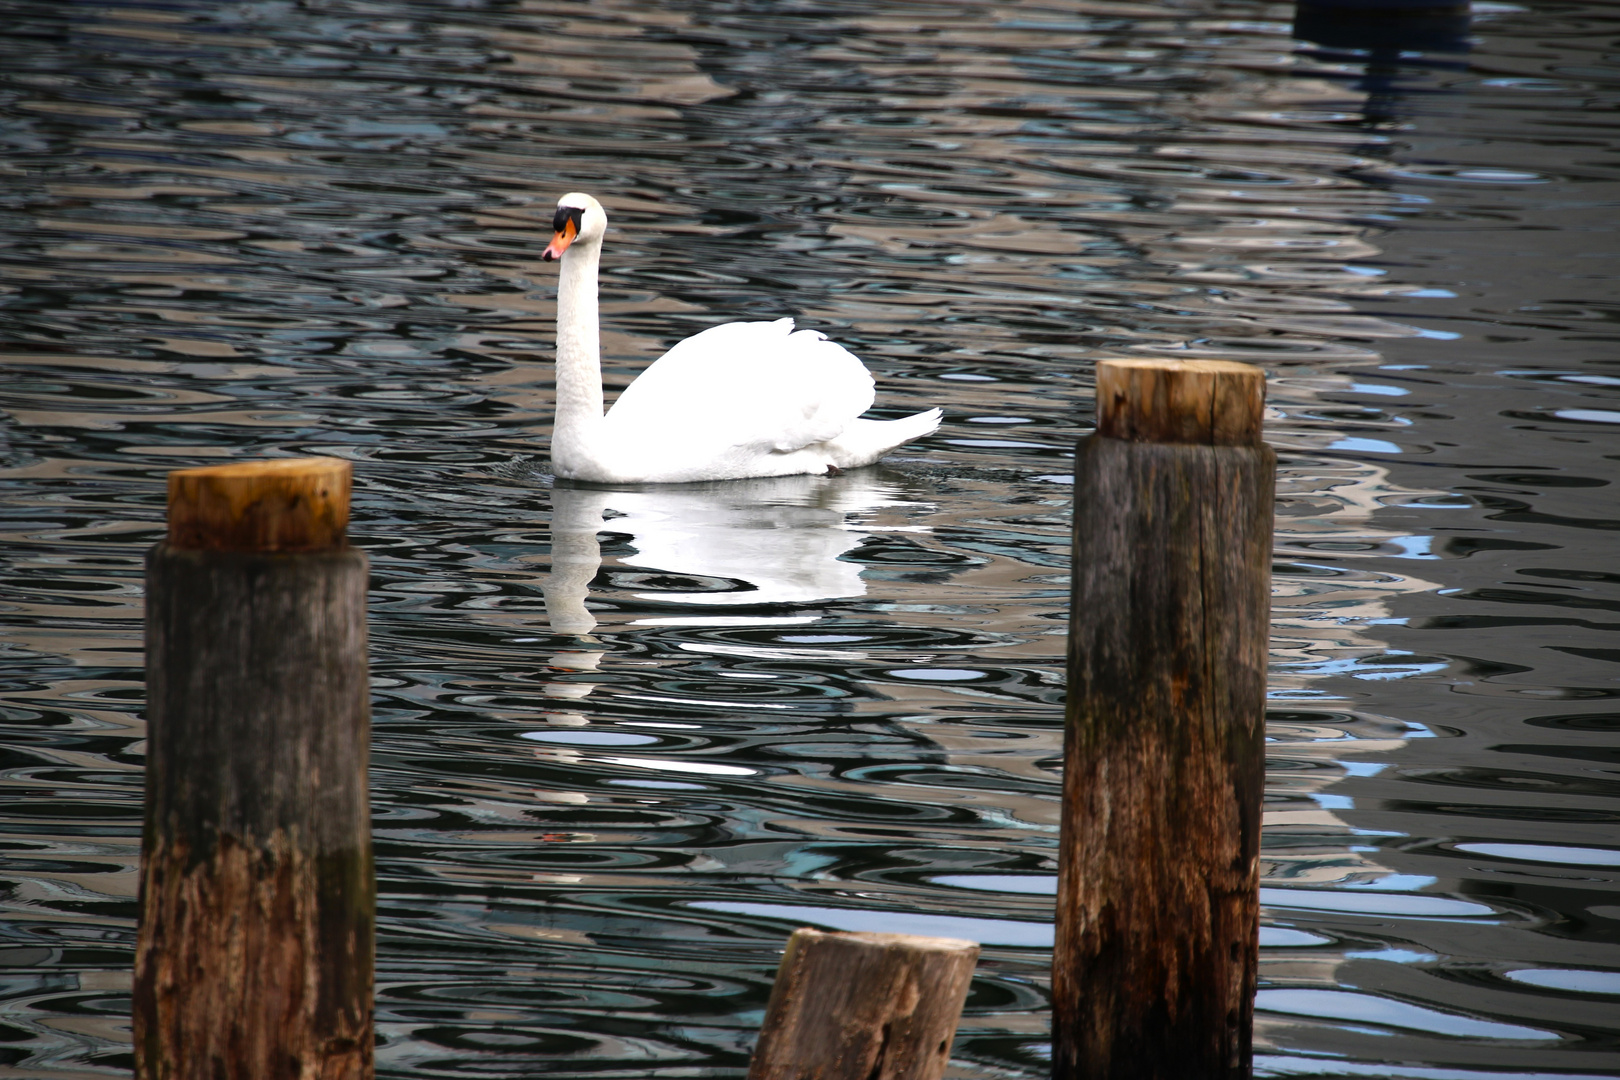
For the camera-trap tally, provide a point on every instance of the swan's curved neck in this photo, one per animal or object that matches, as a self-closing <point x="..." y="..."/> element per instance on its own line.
<point x="579" y="359"/>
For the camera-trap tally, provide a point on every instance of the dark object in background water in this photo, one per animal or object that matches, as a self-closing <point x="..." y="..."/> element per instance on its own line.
<point x="1388" y="33"/>
<point x="1384" y="25"/>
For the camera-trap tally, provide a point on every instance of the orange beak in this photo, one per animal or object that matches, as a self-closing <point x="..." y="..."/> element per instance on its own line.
<point x="566" y="228"/>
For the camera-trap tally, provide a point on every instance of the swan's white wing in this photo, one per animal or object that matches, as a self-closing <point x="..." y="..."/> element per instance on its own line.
<point x="753" y="384"/>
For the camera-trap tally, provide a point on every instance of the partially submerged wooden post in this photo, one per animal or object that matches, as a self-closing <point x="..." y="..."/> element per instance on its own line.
<point x="255" y="950"/>
<point x="1153" y="973"/>
<point x="864" y="1007"/>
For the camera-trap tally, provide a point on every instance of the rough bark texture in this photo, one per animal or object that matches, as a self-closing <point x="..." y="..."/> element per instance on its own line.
<point x="254" y="957"/>
<point x="864" y="1007"/>
<point x="1158" y="917"/>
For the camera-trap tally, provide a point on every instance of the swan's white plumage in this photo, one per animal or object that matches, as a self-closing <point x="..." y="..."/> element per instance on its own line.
<point x="757" y="384"/>
<point x="742" y="399"/>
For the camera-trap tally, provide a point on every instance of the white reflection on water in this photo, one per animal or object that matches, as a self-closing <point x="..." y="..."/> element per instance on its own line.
<point x="1573" y="980"/>
<point x="776" y="540"/>
<point x="1372" y="1009"/>
<point x="1009" y="932"/>
<point x="1568" y="856"/>
<point x="1405" y="905"/>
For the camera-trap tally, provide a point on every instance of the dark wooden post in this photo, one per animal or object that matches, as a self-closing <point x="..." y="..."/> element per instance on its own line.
<point x="864" y="1007"/>
<point x="1153" y="973"/>
<point x="254" y="959"/>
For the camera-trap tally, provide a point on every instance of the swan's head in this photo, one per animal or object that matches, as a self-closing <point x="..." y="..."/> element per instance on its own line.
<point x="580" y="219"/>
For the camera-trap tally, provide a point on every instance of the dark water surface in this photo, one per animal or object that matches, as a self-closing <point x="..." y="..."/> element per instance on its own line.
<point x="276" y="228"/>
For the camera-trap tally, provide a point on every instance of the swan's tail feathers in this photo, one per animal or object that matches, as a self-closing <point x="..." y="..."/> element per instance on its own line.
<point x="864" y="441"/>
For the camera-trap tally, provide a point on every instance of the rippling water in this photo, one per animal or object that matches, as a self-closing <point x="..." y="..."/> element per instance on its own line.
<point x="627" y="740"/>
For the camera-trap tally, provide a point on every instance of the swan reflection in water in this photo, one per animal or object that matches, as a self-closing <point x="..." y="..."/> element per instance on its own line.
<point x="765" y="541"/>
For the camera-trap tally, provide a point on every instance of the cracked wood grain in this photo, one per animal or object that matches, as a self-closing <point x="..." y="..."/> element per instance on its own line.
<point x="1158" y="905"/>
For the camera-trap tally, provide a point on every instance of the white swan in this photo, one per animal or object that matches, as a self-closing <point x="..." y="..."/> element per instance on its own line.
<point x="738" y="400"/>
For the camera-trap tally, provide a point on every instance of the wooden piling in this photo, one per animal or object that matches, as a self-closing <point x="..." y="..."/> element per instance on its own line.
<point x="254" y="958"/>
<point x="849" y="1006"/>
<point x="1153" y="973"/>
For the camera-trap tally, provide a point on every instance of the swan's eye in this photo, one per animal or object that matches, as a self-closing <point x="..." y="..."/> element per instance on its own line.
<point x="567" y="220"/>
<point x="565" y="226"/>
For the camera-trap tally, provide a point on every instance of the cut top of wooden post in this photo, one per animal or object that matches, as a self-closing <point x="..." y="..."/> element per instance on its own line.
<point x="1212" y="402"/>
<point x="288" y="504"/>
<point x="860" y="1006"/>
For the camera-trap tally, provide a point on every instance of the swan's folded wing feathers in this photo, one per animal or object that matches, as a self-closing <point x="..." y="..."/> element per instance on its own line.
<point x="758" y="384"/>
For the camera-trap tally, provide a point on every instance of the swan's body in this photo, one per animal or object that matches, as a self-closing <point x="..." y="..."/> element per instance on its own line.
<point x="738" y="400"/>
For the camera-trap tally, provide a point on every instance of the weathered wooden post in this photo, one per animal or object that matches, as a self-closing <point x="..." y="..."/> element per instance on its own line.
<point x="254" y="958"/>
<point x="864" y="1007"/>
<point x="1153" y="973"/>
